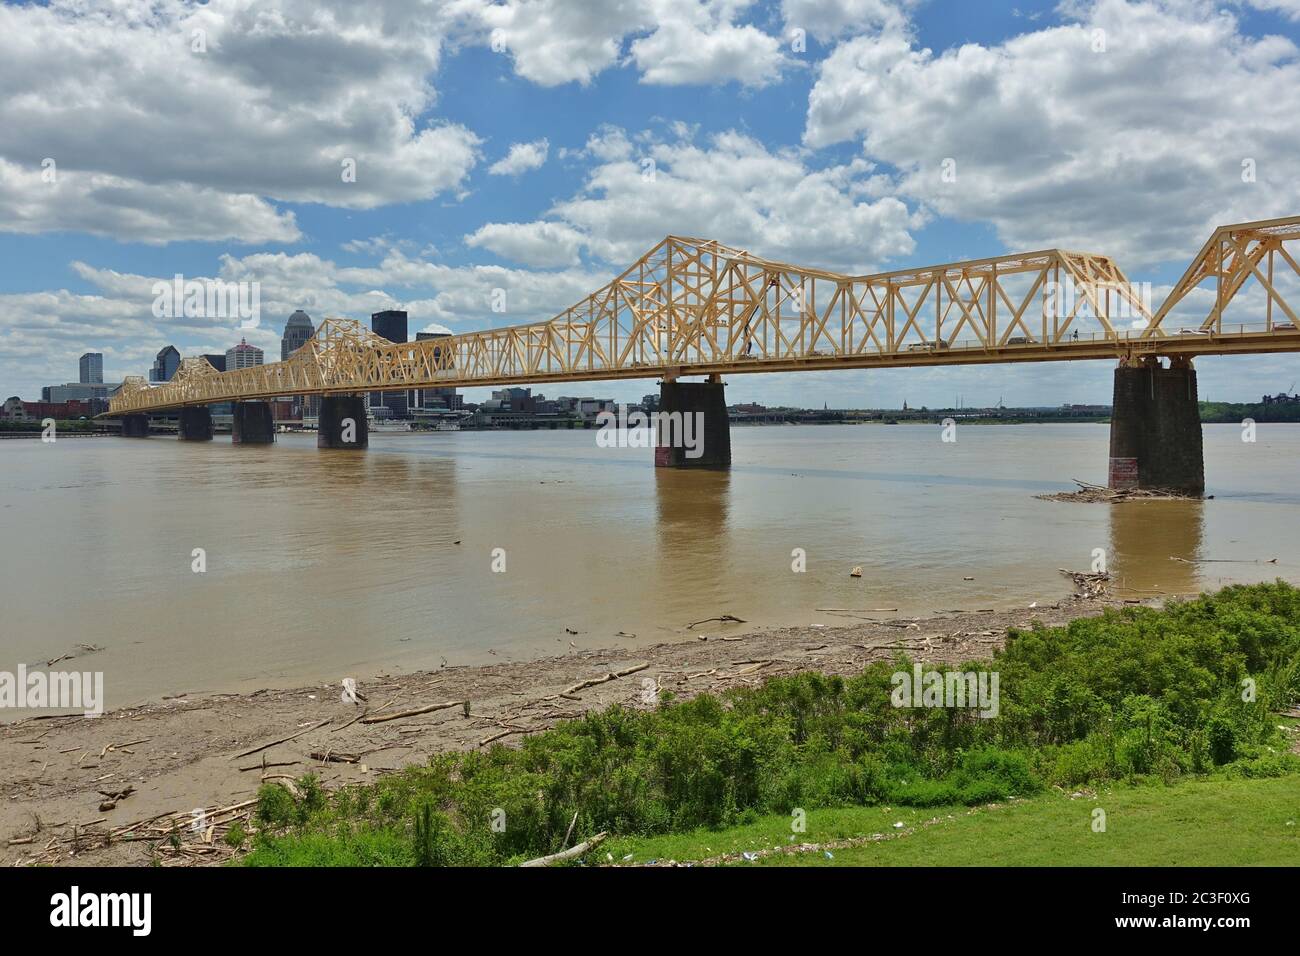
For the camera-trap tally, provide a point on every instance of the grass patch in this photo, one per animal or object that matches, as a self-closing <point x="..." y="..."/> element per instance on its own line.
<point x="1210" y="822"/>
<point x="1136" y="695"/>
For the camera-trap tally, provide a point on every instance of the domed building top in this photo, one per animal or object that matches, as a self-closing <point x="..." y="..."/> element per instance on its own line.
<point x="296" y="333"/>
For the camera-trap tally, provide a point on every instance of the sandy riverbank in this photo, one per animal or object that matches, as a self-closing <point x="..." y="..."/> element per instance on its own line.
<point x="181" y="754"/>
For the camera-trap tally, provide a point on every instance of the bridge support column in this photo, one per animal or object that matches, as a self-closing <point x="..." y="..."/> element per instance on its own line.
<point x="135" y="426"/>
<point x="251" y="424"/>
<point x="695" y="432"/>
<point x="342" y="422"/>
<point x="194" y="423"/>
<point x="1155" y="428"/>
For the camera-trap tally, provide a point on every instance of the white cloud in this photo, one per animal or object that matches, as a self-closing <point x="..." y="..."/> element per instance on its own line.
<point x="827" y="19"/>
<point x="538" y="244"/>
<point x="670" y="42"/>
<point x="733" y="189"/>
<point x="560" y="41"/>
<point x="1136" y="151"/>
<point x="283" y="95"/>
<point x="521" y="158"/>
<point x="699" y="43"/>
<point x="606" y="143"/>
<point x="105" y="205"/>
<point x="1286" y="8"/>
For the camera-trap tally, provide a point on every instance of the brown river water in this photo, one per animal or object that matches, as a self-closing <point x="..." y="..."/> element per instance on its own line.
<point x="326" y="564"/>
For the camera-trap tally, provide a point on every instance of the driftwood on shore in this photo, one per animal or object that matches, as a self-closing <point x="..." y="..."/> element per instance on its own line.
<point x="380" y="718"/>
<point x="613" y="675"/>
<point x="573" y="852"/>
<point x="330" y="756"/>
<point x="724" y="619"/>
<point x="1088" y="584"/>
<point x="178" y="838"/>
<point x="281" y="740"/>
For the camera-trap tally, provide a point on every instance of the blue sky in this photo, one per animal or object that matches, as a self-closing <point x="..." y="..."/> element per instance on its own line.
<point x="222" y="162"/>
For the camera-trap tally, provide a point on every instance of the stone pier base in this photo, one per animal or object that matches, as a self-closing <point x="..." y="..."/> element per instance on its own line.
<point x="194" y="423"/>
<point x="342" y="423"/>
<point x="1155" y="428"/>
<point x="696" y="433"/>
<point x="251" y="423"/>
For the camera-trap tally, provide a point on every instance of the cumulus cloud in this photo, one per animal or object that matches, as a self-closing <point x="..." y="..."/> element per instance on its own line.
<point x="172" y="119"/>
<point x="521" y="158"/>
<point x="201" y="113"/>
<point x="733" y="189"/>
<point x="46" y="199"/>
<point x="538" y="244"/>
<point x="1126" y="131"/>
<point x="828" y="19"/>
<point x="670" y="42"/>
<point x="1286" y="8"/>
<point x="699" y="43"/>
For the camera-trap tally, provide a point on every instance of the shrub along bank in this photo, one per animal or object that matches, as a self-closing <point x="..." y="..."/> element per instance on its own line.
<point x="1136" y="694"/>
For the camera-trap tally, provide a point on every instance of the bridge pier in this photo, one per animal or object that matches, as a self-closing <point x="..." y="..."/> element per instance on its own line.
<point x="1155" y="428"/>
<point x="697" y="435"/>
<point x="194" y="423"/>
<point x="251" y="423"/>
<point x="135" y="426"/>
<point x="342" y="422"/>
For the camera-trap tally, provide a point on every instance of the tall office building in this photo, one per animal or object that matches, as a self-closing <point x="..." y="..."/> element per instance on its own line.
<point x="390" y="324"/>
<point x="243" y="355"/>
<point x="218" y="361"/>
<point x="297" y="331"/>
<point x="435" y="397"/>
<point x="92" y="368"/>
<point x="165" y="365"/>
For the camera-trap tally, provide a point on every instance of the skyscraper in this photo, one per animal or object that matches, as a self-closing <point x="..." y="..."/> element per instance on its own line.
<point x="165" y="365"/>
<point x="243" y="355"/>
<point x="435" y="397"/>
<point x="92" y="368"/>
<point x="297" y="331"/>
<point x="390" y="324"/>
<point x="218" y="361"/>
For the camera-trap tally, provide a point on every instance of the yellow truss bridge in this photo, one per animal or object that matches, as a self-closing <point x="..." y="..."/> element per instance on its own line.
<point x="697" y="307"/>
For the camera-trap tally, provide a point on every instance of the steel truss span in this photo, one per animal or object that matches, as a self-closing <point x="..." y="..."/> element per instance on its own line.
<point x="697" y="307"/>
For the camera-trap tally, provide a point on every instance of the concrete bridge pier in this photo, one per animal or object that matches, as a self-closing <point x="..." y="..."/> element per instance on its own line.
<point x="135" y="426"/>
<point x="1155" y="428"/>
<point x="251" y="423"/>
<point x="693" y="430"/>
<point x="342" y="422"/>
<point x="194" y="423"/>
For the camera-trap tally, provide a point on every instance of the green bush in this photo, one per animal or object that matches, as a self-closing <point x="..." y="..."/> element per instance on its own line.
<point x="1136" y="693"/>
